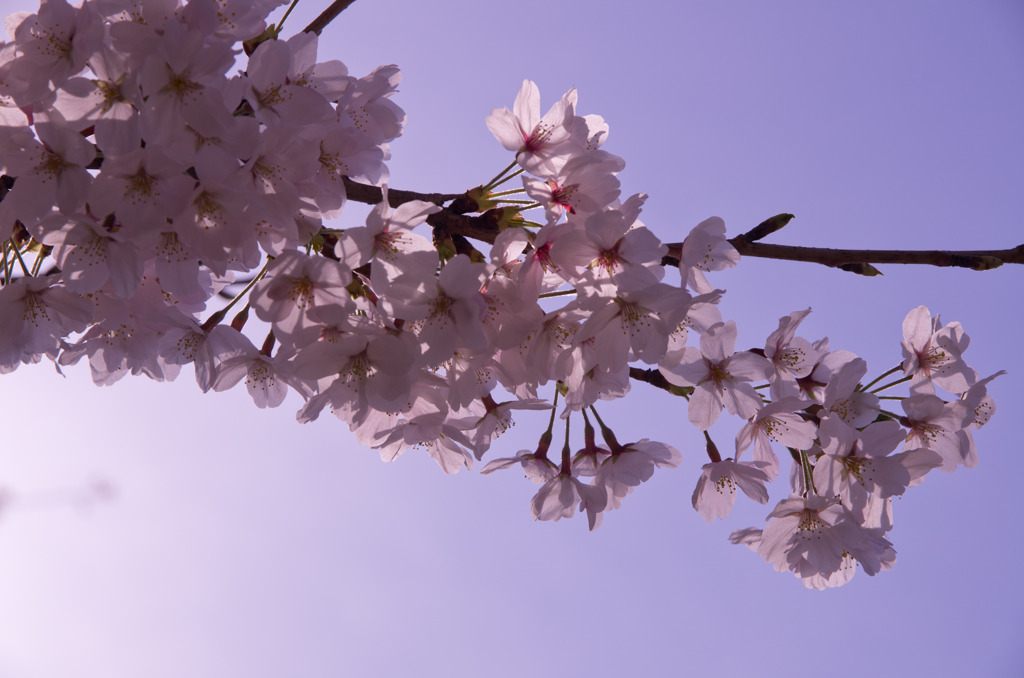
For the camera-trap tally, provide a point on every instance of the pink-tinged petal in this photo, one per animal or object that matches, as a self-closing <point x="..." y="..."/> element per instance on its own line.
<point x="691" y="370"/>
<point x="505" y="128"/>
<point x="705" y="407"/>
<point x="741" y="399"/>
<point x="554" y="500"/>
<point x="749" y="366"/>
<point x="527" y="107"/>
<point x="719" y="342"/>
<point x="917" y="327"/>
<point x="713" y="498"/>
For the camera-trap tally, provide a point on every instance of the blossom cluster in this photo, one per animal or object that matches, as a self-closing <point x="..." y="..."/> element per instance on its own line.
<point x="152" y="180"/>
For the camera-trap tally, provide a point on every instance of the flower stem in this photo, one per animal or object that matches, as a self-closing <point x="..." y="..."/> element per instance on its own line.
<point x="554" y="408"/>
<point x="881" y="377"/>
<point x="547" y="295"/>
<point x="509" y="192"/>
<point x="215" y="319"/>
<point x="805" y="464"/>
<point x="500" y="182"/>
<point x="37" y="264"/>
<point x="566" y="460"/>
<point x="890" y="385"/>
<point x="712" y="449"/>
<point x="6" y="264"/>
<point x="21" y="261"/>
<point x="607" y="434"/>
<point x="498" y="179"/>
<point x="286" y="13"/>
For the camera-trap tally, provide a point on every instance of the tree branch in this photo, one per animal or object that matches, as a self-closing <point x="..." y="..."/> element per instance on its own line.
<point x="657" y="379"/>
<point x="978" y="260"/>
<point x="484" y="227"/>
<point x="327" y="16"/>
<point x="371" y="195"/>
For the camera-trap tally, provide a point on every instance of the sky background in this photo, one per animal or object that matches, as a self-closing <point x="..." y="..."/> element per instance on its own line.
<point x="240" y="543"/>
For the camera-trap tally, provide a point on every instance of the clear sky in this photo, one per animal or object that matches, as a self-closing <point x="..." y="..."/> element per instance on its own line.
<point x="240" y="543"/>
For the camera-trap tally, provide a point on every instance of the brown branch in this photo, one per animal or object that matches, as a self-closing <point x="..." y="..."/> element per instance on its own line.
<point x="657" y="379"/>
<point x="371" y="195"/>
<point x="327" y="16"/>
<point x="485" y="227"/>
<point x="978" y="260"/>
<point x="859" y="261"/>
<point x="450" y="219"/>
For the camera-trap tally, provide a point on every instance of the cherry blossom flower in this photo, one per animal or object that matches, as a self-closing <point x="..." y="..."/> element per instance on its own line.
<point x="398" y="255"/>
<point x="632" y="464"/>
<point x="296" y="284"/>
<point x="938" y="426"/>
<point x="720" y="376"/>
<point x="777" y="421"/>
<point x="205" y="350"/>
<point x="54" y="44"/>
<point x="792" y="357"/>
<point x="843" y="398"/>
<point x="266" y="378"/>
<point x="142" y="188"/>
<point x="90" y="254"/>
<point x="612" y="247"/>
<point x="706" y="249"/>
<point x="932" y="353"/>
<point x="106" y="102"/>
<point x="814" y="536"/>
<point x="857" y="466"/>
<point x="558" y="498"/>
<point x="51" y="173"/>
<point x="635" y="323"/>
<point x="541" y="144"/>
<point x="452" y="314"/>
<point x="37" y="313"/>
<point x="274" y="93"/>
<point x="586" y="184"/>
<point x="358" y="373"/>
<point x="715" y="493"/>
<point x="444" y="441"/>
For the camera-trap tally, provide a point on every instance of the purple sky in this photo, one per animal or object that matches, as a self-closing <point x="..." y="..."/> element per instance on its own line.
<point x="243" y="544"/>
